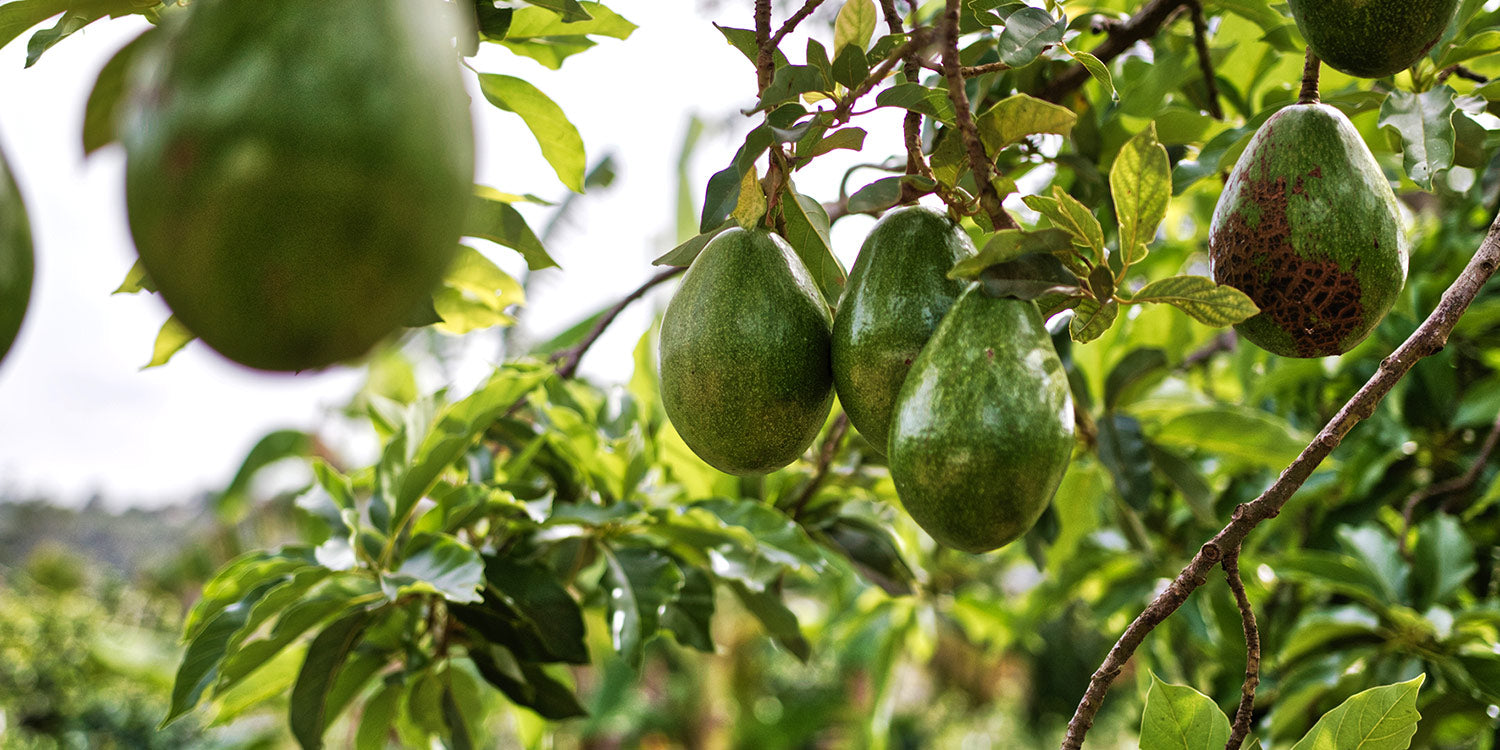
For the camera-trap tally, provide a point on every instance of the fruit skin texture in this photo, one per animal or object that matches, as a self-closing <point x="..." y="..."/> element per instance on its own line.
<point x="983" y="428"/>
<point x="745" y="373"/>
<point x="1372" y="38"/>
<point x="898" y="291"/>
<point x="1307" y="226"/>
<point x="16" y="259"/>
<point x="297" y="172"/>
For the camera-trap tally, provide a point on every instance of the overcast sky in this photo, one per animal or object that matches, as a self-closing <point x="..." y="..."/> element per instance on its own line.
<point x="77" y="414"/>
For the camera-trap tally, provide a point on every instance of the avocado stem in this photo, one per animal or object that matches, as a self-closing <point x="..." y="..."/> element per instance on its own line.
<point x="1310" y="79"/>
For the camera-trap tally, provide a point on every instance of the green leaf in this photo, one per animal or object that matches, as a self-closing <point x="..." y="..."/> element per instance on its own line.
<point x="1424" y="124"/>
<point x="807" y="232"/>
<point x="684" y="254"/>
<point x="1382" y="718"/>
<point x="779" y="541"/>
<point x="18" y="16"/>
<point x="779" y="621"/>
<point x="1201" y="298"/>
<point x="560" y="142"/>
<point x="1028" y="32"/>
<point x="876" y="196"/>
<point x="1030" y="277"/>
<point x="491" y="217"/>
<point x="1070" y="215"/>
<point x="1442" y="560"/>
<point x="788" y="83"/>
<point x="744" y="41"/>
<point x="1335" y="572"/>
<point x="136" y="281"/>
<point x="1486" y="42"/>
<point x="1097" y="70"/>
<point x="917" y="98"/>
<point x="526" y="684"/>
<point x="475" y="294"/>
<point x="104" y="98"/>
<point x="1123" y="452"/>
<point x="240" y="576"/>
<point x="1020" y="115"/>
<point x="1251" y="436"/>
<point x="688" y="615"/>
<point x="1141" y="182"/>
<point x="850" y="67"/>
<point x="327" y="602"/>
<point x="873" y="552"/>
<point x="552" y="51"/>
<point x="538" y="600"/>
<point x="847" y="138"/>
<point x="1178" y="717"/>
<point x="570" y="11"/>
<point x="439" y="564"/>
<point x="205" y="653"/>
<point x="378" y="716"/>
<point x="1258" y="12"/>
<point x="640" y="583"/>
<point x="326" y="658"/>
<point x="854" y="25"/>
<point x="169" y="340"/>
<point x="1091" y="319"/>
<point x="584" y="19"/>
<point x="1009" y="244"/>
<point x="233" y="503"/>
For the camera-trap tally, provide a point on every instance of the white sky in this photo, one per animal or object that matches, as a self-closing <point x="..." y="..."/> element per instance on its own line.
<point x="78" y="416"/>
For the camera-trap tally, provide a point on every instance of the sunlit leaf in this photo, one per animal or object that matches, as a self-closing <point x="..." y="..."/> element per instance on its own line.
<point x="561" y="145"/>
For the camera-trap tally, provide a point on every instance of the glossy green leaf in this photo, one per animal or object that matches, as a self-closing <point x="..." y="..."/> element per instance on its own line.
<point x="1424" y="124"/>
<point x="561" y="145"/>
<point x="205" y="653"/>
<point x="240" y="576"/>
<point x="1382" y="718"/>
<point x="440" y="564"/>
<point x="640" y="583"/>
<point x="1028" y="32"/>
<point x="1198" y="296"/>
<point x="1484" y="43"/>
<point x="1442" y="560"/>
<point x="326" y="657"/>
<point x="917" y="98"/>
<point x="1007" y="245"/>
<point x="877" y="196"/>
<point x="689" y="615"/>
<point x="377" y="718"/>
<point x="1068" y="214"/>
<point x="684" y="254"/>
<point x="475" y="294"/>
<point x="104" y="97"/>
<point x="1141" y="183"/>
<point x="1097" y="70"/>
<point x="873" y="552"/>
<point x="1230" y="432"/>
<point x="854" y="25"/>
<point x="807" y="228"/>
<point x="1091" y="319"/>
<point x="1178" y="717"/>
<point x="779" y="621"/>
<point x="585" y="19"/>
<point x="567" y="11"/>
<point x="527" y="684"/>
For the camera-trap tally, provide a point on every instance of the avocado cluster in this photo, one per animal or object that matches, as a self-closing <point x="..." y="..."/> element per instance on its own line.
<point x="964" y="392"/>
<point x="297" y="173"/>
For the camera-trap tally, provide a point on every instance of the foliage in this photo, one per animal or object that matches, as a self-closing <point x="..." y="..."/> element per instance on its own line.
<point x="544" y="559"/>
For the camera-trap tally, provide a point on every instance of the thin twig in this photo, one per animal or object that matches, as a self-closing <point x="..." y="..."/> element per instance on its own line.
<point x="570" y="357"/>
<point x="1246" y="710"/>
<point x="1205" y="61"/>
<point x="830" y="448"/>
<point x="765" y="63"/>
<point x="969" y="71"/>
<point x="796" y="18"/>
<point x="1461" y="72"/>
<point x="1428" y="339"/>
<point x="1310" y="68"/>
<point x="1457" y="484"/>
<point x="911" y="126"/>
<point x="1122" y="35"/>
<point x="841" y="112"/>
<point x="979" y="161"/>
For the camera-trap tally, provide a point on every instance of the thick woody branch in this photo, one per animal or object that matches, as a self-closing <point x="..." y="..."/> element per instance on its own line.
<point x="1428" y="339"/>
<point x="1122" y="35"/>
<point x="569" y="358"/>
<point x="765" y="63"/>
<point x="979" y="161"/>
<point x="1242" y="716"/>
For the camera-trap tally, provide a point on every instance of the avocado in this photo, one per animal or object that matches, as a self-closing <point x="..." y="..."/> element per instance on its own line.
<point x="16" y="259"/>
<point x="1372" y="38"/>
<point x="745" y="372"/>
<point x="1307" y="227"/>
<point x="297" y="172"/>
<point x="898" y="291"/>
<point x="982" y="431"/>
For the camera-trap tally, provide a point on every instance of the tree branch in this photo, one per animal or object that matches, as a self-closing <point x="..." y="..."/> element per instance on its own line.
<point x="1205" y="61"/>
<point x="1145" y="23"/>
<point x="830" y="448"/>
<point x="841" y="112"/>
<point x="1428" y="339"/>
<point x="571" y="356"/>
<point x="1457" y="484"/>
<point x="796" y="18"/>
<point x="979" y="161"/>
<point x="1246" y="710"/>
<point x="911" y="126"/>
<point x="765" y="63"/>
<point x="1310" y="69"/>
<point x="1462" y="72"/>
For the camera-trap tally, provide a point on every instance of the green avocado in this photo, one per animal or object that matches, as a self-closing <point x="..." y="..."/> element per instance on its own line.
<point x="297" y="172"/>
<point x="898" y="291"/>
<point x="1372" y="38"/>
<point x="1307" y="227"/>
<point x="745" y="373"/>
<point x="16" y="260"/>
<point x="982" y="432"/>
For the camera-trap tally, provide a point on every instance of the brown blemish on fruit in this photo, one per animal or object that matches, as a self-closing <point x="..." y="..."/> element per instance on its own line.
<point x="1317" y="303"/>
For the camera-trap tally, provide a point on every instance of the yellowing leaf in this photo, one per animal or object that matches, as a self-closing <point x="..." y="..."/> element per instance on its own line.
<point x="752" y="203"/>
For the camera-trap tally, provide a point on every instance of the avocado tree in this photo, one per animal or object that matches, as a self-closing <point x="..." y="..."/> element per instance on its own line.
<point x="1253" y="549"/>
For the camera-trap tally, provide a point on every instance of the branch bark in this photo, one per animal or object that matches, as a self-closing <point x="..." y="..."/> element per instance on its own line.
<point x="1428" y="339"/>
<point x="1205" y="60"/>
<point x="1145" y="23"/>
<point x="979" y="161"/>
<point x="765" y="63"/>
<point x="1246" y="711"/>
<point x="1310" y="69"/>
<point x="569" y="358"/>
